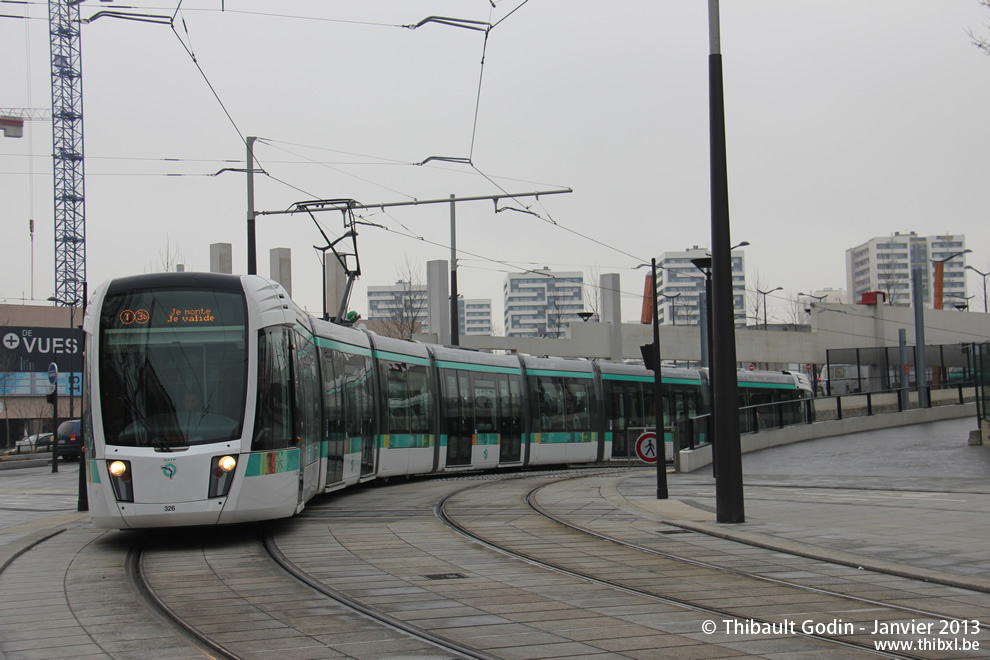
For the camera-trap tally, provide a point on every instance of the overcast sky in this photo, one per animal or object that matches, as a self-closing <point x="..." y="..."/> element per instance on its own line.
<point x="846" y="120"/>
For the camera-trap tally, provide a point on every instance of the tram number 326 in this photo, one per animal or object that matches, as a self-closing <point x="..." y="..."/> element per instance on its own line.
<point x="169" y="507"/>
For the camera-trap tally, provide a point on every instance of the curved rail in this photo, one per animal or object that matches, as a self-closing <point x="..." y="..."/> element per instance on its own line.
<point x="134" y="568"/>
<point x="442" y="515"/>
<point x="530" y="501"/>
<point x="283" y="562"/>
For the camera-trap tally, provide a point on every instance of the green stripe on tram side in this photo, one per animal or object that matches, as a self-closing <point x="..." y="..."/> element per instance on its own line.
<point x="486" y="439"/>
<point x="486" y="368"/>
<point x="555" y="437"/>
<point x="771" y="386"/>
<point x="559" y="374"/>
<point x="93" y="472"/>
<point x="272" y="462"/>
<point x="406" y="440"/>
<point x="399" y="357"/>
<point x="650" y="379"/>
<point x="323" y="342"/>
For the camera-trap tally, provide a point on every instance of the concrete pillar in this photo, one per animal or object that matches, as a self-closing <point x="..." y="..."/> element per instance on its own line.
<point x="221" y="258"/>
<point x="336" y="284"/>
<point x="611" y="312"/>
<point x="438" y="299"/>
<point x="281" y="263"/>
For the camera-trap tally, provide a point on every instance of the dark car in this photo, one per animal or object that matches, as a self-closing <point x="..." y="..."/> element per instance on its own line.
<point x="70" y="439"/>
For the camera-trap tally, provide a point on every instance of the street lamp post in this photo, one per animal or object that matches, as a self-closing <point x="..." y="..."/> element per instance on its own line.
<point x="816" y="298"/>
<point x="765" y="294"/>
<point x="984" y="276"/>
<point x="673" y="307"/>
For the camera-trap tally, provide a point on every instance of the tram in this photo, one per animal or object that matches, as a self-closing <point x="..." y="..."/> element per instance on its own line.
<point x="214" y="399"/>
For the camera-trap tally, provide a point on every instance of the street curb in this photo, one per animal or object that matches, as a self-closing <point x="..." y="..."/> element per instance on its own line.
<point x="11" y="551"/>
<point x="836" y="556"/>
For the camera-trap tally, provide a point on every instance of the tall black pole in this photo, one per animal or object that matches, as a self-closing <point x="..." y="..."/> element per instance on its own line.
<point x="55" y="427"/>
<point x="658" y="397"/>
<point x="454" y="330"/>
<point x="728" y="482"/>
<point x="82" y="501"/>
<point x="252" y="259"/>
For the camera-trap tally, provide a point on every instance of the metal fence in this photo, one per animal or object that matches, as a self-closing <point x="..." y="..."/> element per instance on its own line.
<point x="860" y="370"/>
<point x="981" y="363"/>
<point x="753" y="419"/>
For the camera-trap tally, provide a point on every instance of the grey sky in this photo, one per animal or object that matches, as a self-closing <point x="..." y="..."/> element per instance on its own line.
<point x="845" y="120"/>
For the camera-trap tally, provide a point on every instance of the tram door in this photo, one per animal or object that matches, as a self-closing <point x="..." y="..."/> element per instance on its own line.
<point x="458" y="417"/>
<point x="333" y="393"/>
<point x="510" y="420"/>
<point x="308" y="417"/>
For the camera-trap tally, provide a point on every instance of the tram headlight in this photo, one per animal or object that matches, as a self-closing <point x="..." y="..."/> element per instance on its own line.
<point x="222" y="470"/>
<point x="120" y="479"/>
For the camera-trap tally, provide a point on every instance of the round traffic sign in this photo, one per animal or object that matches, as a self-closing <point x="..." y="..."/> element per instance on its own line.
<point x="646" y="447"/>
<point x="52" y="373"/>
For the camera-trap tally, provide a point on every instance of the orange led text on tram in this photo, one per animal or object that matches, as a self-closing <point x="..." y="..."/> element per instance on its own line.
<point x="199" y="315"/>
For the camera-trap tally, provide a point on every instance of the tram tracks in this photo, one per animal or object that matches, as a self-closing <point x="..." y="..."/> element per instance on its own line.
<point x="878" y="610"/>
<point x="330" y="622"/>
<point x="271" y="582"/>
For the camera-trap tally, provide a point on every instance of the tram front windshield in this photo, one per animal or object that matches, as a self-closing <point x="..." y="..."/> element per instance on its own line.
<point x="173" y="367"/>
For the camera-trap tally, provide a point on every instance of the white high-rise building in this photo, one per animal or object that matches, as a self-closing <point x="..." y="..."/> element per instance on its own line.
<point x="542" y="303"/>
<point x="885" y="264"/>
<point x="403" y="302"/>
<point x="680" y="285"/>
<point x="474" y="316"/>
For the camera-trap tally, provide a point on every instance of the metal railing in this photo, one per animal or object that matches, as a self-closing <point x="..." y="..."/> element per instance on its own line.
<point x="694" y="431"/>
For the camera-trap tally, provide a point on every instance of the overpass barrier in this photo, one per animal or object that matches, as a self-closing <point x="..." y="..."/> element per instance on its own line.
<point x="825" y="417"/>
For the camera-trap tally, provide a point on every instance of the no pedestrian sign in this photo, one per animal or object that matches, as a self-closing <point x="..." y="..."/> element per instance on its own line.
<point x="646" y="447"/>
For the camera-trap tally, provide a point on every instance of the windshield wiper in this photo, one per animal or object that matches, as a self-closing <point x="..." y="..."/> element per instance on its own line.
<point x="161" y="444"/>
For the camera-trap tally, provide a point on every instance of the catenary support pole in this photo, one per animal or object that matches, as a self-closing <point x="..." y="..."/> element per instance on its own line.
<point x="454" y="335"/>
<point x="920" y="366"/>
<point x="729" y="507"/>
<point x="902" y="368"/>
<point x="662" y="492"/>
<point x="252" y="261"/>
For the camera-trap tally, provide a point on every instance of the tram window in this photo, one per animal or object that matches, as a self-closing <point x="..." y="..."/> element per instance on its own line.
<point x="451" y="402"/>
<point x="551" y="403"/>
<point x="309" y="409"/>
<point x="515" y="405"/>
<point x="273" y="421"/>
<point x="398" y="397"/>
<point x="418" y="382"/>
<point x="484" y="402"/>
<point x="577" y="394"/>
<point x="360" y="409"/>
<point x="467" y="404"/>
<point x="408" y="398"/>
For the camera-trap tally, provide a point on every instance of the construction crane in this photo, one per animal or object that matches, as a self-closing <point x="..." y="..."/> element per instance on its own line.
<point x="12" y="119"/>
<point x="67" y="152"/>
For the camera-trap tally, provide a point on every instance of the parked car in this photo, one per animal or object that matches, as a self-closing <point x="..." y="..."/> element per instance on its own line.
<point x="36" y="442"/>
<point x="70" y="440"/>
